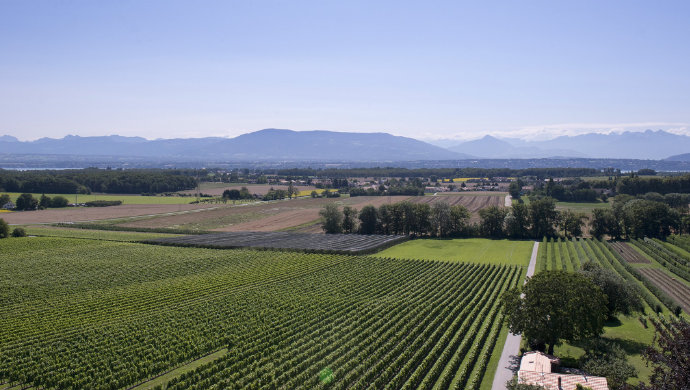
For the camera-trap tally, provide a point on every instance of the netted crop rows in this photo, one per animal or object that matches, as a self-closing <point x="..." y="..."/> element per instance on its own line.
<point x="322" y="243"/>
<point x="111" y="315"/>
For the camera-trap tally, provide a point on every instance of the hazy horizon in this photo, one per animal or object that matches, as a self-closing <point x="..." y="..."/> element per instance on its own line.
<point x="448" y="70"/>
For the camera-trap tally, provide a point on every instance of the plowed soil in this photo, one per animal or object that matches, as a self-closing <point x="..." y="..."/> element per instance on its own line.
<point x="680" y="292"/>
<point x="84" y="214"/>
<point x="629" y="253"/>
<point x="269" y="216"/>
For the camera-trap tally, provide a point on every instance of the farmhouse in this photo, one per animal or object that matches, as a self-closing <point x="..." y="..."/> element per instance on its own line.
<point x="8" y="206"/>
<point x="536" y="369"/>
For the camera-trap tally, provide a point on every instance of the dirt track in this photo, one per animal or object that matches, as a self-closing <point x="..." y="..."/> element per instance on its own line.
<point x="78" y="214"/>
<point x="629" y="254"/>
<point x="675" y="289"/>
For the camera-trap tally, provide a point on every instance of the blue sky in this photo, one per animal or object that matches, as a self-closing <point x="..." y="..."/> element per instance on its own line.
<point x="163" y="69"/>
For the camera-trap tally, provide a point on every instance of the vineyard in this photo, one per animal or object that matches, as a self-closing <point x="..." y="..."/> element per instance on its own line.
<point x="658" y="291"/>
<point x="95" y="314"/>
<point x="322" y="243"/>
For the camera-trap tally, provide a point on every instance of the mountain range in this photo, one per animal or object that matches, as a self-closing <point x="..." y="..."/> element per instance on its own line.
<point x="652" y="145"/>
<point x="321" y="145"/>
<point x="263" y="145"/>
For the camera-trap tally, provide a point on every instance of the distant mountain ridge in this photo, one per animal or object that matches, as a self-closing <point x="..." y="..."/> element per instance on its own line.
<point x="653" y="145"/>
<point x="262" y="145"/>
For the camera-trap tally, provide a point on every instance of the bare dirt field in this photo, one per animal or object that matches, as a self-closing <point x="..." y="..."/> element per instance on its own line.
<point x="268" y="216"/>
<point x="260" y="189"/>
<point x="675" y="289"/>
<point x="473" y="203"/>
<point x="82" y="214"/>
<point x="629" y="254"/>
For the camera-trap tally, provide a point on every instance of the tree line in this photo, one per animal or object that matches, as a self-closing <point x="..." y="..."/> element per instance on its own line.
<point x="135" y="181"/>
<point x="438" y="172"/>
<point x="637" y="217"/>
<point x="536" y="220"/>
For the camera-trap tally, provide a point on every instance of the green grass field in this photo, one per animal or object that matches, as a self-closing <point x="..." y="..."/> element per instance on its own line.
<point x="473" y="250"/>
<point x="582" y="207"/>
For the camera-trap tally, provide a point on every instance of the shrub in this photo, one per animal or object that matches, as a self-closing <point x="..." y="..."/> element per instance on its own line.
<point x="59" y="201"/>
<point x="4" y="229"/>
<point x="18" y="232"/>
<point x="103" y="203"/>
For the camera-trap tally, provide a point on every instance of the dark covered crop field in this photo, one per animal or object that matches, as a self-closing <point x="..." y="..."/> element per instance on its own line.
<point x="323" y="243"/>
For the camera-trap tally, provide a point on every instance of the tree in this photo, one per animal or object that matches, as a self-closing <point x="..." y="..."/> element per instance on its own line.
<point x="18" y="232"/>
<point x="26" y="202"/>
<point x="622" y="297"/>
<point x="441" y="223"/>
<point x="514" y="189"/>
<point x="459" y="219"/>
<point x="492" y="218"/>
<point x="604" y="222"/>
<point x="543" y="216"/>
<point x="349" y="219"/>
<point x="314" y="194"/>
<point x="59" y="201"/>
<point x="292" y="191"/>
<point x="557" y="305"/>
<point x="44" y="202"/>
<point x="672" y="357"/>
<point x="571" y="223"/>
<point x="332" y="219"/>
<point x="516" y="222"/>
<point x="232" y="195"/>
<point x="4" y="199"/>
<point x="607" y="359"/>
<point x="4" y="229"/>
<point x="368" y="220"/>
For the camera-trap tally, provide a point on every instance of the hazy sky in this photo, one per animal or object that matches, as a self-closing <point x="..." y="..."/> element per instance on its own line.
<point x="163" y="69"/>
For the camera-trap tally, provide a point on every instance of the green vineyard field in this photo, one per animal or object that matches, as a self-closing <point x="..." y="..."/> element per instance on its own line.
<point x="78" y="313"/>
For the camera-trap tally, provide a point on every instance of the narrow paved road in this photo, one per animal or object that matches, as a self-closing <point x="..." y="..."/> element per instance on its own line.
<point x="508" y="364"/>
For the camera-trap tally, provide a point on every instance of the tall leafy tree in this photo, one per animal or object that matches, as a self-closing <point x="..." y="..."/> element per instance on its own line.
<point x="492" y="218"/>
<point x="349" y="219"/>
<point x="556" y="306"/>
<point x="332" y="219"/>
<point x="4" y="229"/>
<point x="368" y="220"/>
<point x="570" y="223"/>
<point x="622" y="297"/>
<point x="517" y="221"/>
<point x="543" y="217"/>
<point x="671" y="357"/>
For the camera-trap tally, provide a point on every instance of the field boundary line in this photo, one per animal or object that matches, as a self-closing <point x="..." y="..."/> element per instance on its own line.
<point x="511" y="346"/>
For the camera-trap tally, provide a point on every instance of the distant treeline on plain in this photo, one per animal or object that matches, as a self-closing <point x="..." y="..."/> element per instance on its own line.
<point x="97" y="180"/>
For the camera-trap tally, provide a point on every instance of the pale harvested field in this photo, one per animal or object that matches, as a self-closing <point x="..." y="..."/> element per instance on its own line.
<point x="269" y="216"/>
<point x="82" y="214"/>
<point x="260" y="189"/>
<point x="298" y="217"/>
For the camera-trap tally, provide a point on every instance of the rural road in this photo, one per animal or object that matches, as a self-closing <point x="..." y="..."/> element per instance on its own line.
<point x="509" y="201"/>
<point x="508" y="362"/>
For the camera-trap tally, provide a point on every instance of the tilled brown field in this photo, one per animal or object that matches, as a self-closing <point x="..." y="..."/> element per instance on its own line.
<point x="680" y="292"/>
<point x="269" y="216"/>
<point x="629" y="254"/>
<point x="83" y="214"/>
<point x="473" y="203"/>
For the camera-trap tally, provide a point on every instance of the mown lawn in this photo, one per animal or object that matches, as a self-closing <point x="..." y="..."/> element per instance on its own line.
<point x="474" y="250"/>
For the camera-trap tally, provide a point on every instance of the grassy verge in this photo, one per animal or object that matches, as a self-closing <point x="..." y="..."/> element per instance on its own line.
<point x="473" y="250"/>
<point x="165" y="378"/>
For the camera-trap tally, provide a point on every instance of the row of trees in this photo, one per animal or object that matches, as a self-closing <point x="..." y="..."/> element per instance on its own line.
<point x="538" y="219"/>
<point x="28" y="202"/>
<point x="638" y="217"/>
